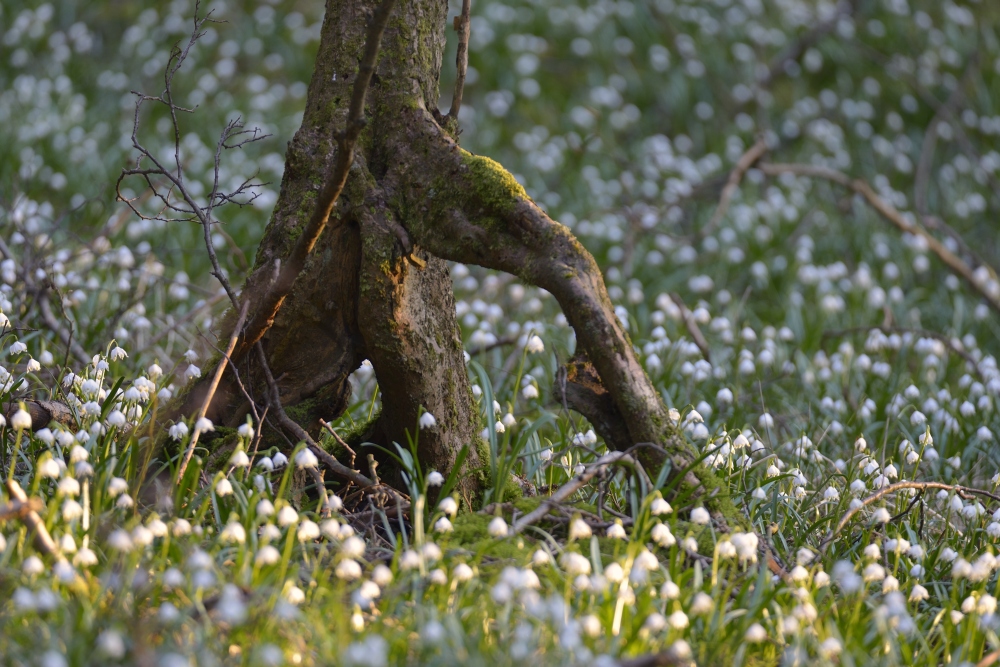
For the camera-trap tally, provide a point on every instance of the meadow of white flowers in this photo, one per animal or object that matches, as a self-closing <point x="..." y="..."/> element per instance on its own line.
<point x="844" y="359"/>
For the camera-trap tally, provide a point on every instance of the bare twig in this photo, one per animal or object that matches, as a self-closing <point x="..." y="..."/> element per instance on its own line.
<point x="461" y="58"/>
<point x="797" y="49"/>
<point x="42" y="540"/>
<point x="335" y="466"/>
<point x="989" y="659"/>
<point x="212" y="388"/>
<point x="45" y="412"/>
<point x="966" y="492"/>
<point x="566" y="491"/>
<point x="340" y="441"/>
<point x="332" y="187"/>
<point x="692" y="326"/>
<point x="746" y="161"/>
<point x="51" y="321"/>
<point x="499" y="342"/>
<point x="887" y="211"/>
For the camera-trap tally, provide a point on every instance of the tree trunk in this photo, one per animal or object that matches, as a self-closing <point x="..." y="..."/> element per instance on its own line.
<point x="377" y="285"/>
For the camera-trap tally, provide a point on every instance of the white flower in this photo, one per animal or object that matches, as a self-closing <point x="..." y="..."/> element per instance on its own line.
<point x="239" y="459"/>
<point x="180" y="527"/>
<point x="178" y="430"/>
<point x="409" y="560"/>
<point x="118" y="353"/>
<point x="831" y="494"/>
<point x="435" y="478"/>
<point x="861" y="444"/>
<point x="654" y="623"/>
<point x="18" y="348"/>
<point x="294" y="595"/>
<point x="660" y="506"/>
<point x="33" y="366"/>
<point x="541" y="557"/>
<point x="449" y="506"/>
<point x="353" y="547"/>
<point x="830" y="647"/>
<point x="348" y="570"/>
<point x="119" y="540"/>
<point x="592" y="625"/>
<point x="154" y="372"/>
<point x="755" y="634"/>
<point x="306" y="459"/>
<point x="142" y="536"/>
<point x="267" y="555"/>
<point x="529" y="392"/>
<point x="287" y="516"/>
<point x="427" y="421"/>
<point x="117" y="486"/>
<point x="462" y="573"/>
<point x="192" y="372"/>
<point x="265" y="508"/>
<point x="574" y="563"/>
<point x="670" y="591"/>
<point x="382" y="575"/>
<point x="918" y="593"/>
<point x="48" y="468"/>
<point x="223" y="487"/>
<point x="497" y="527"/>
<point x="499" y="427"/>
<point x="156" y="526"/>
<point x="616" y="531"/>
<point x="68" y="487"/>
<point x="746" y="546"/>
<point x="702" y="604"/>
<point x="85" y="558"/>
<point x="279" y="460"/>
<point x="308" y="531"/>
<point x="534" y="345"/>
<point x="443" y="525"/>
<point x="32" y="566"/>
<point x="700" y="516"/>
<point x="579" y="530"/>
<point x="203" y="425"/>
<point x="678" y="620"/>
<point x="21" y="419"/>
<point x="881" y="515"/>
<point x="662" y="536"/>
<point x="71" y="510"/>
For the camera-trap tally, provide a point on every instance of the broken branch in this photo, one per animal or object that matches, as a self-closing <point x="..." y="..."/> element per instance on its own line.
<point x="461" y="58"/>
<point x="565" y="491"/>
<point x="889" y="212"/>
<point x="213" y="387"/>
<point x="963" y="491"/>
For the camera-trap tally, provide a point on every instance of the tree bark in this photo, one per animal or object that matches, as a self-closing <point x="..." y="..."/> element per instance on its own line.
<point x="377" y="285"/>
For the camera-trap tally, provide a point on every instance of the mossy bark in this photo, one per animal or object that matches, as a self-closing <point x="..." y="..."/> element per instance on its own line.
<point x="377" y="285"/>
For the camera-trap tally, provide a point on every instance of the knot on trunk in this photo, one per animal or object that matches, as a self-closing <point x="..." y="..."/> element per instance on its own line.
<point x="578" y="387"/>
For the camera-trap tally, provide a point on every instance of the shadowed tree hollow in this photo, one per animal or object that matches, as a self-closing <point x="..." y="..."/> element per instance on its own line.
<point x="375" y="284"/>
